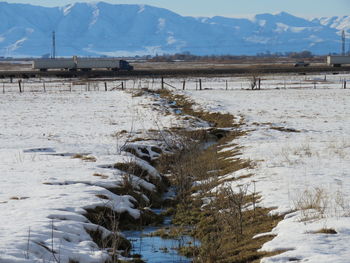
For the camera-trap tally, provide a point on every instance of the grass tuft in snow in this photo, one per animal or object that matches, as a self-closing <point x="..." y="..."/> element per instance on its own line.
<point x="284" y="129"/>
<point x="312" y="203"/>
<point x="100" y="175"/>
<point x="86" y="158"/>
<point x="326" y="231"/>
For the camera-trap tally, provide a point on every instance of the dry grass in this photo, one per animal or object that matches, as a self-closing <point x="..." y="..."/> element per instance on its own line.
<point x="218" y="120"/>
<point x="86" y="158"/>
<point x="312" y="203"/>
<point x="172" y="232"/>
<point x="104" y="197"/>
<point x="100" y="175"/>
<point x="284" y="129"/>
<point x="224" y="227"/>
<point x="18" y="198"/>
<point x="317" y="203"/>
<point x="326" y="231"/>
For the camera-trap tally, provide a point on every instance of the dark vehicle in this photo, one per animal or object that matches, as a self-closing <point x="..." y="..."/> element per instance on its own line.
<point x="301" y="64"/>
<point x="124" y="65"/>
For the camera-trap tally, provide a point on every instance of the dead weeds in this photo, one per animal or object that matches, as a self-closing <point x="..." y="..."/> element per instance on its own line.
<point x="219" y="120"/>
<point x="86" y="158"/>
<point x="219" y="219"/>
<point x="326" y="231"/>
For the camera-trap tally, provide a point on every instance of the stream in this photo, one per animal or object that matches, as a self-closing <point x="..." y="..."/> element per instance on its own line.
<point x="154" y="249"/>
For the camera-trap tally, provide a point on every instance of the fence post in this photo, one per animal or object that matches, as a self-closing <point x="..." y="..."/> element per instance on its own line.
<point x="3" y="87"/>
<point x="259" y="83"/>
<point x="44" y="86"/>
<point x="20" y="85"/>
<point x="226" y="85"/>
<point x="162" y="83"/>
<point x="344" y="84"/>
<point x="105" y="86"/>
<point x="122" y="85"/>
<point x="200" y="84"/>
<point x="315" y="85"/>
<point x="183" y="85"/>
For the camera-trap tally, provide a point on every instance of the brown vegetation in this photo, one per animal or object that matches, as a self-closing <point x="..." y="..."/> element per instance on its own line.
<point x="218" y="214"/>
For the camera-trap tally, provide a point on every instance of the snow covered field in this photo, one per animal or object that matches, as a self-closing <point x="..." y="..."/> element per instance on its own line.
<point x="299" y="138"/>
<point x="43" y="189"/>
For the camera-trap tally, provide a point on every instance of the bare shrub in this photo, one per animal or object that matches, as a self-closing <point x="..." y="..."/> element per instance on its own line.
<point x="318" y="203"/>
<point x="230" y="205"/>
<point x="304" y="150"/>
<point x="254" y="81"/>
<point x="313" y="203"/>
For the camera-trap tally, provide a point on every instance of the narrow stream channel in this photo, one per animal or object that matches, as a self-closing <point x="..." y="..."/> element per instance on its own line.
<point x="154" y="249"/>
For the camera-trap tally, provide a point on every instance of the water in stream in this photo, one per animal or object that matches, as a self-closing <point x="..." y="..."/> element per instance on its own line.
<point x="155" y="249"/>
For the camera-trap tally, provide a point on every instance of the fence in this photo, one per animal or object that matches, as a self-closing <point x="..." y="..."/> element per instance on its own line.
<point x="222" y="83"/>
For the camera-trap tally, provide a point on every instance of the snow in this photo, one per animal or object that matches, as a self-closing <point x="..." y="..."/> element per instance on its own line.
<point x="298" y="136"/>
<point x="161" y="24"/>
<point x="280" y="27"/>
<point x="262" y="22"/>
<point x="44" y="189"/>
<point x="67" y="9"/>
<point x="340" y="23"/>
<point x="141" y="9"/>
<point x="17" y="44"/>
<point x="292" y="166"/>
<point x="171" y="40"/>
<point x="95" y="15"/>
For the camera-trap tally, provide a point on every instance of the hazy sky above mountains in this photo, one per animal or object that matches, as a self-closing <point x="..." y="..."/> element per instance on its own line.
<point x="305" y="8"/>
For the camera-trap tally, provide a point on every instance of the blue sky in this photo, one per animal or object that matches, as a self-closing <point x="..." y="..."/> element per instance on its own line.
<point x="306" y="8"/>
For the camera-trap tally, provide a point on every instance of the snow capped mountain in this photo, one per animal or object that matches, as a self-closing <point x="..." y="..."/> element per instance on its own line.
<point x="122" y="30"/>
<point x="338" y="22"/>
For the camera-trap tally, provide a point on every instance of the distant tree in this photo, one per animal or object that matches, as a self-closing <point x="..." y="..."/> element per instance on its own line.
<point x="303" y="54"/>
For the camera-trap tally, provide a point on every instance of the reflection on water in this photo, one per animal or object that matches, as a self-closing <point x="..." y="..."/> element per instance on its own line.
<point x="154" y="249"/>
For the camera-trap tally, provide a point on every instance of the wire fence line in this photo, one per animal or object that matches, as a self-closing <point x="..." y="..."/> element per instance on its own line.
<point x="252" y="82"/>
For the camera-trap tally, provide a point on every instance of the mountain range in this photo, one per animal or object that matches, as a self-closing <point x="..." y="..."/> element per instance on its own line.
<point x="102" y="29"/>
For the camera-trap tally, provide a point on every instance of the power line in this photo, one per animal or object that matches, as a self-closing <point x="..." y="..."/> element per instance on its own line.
<point x="53" y="45"/>
<point x="343" y="43"/>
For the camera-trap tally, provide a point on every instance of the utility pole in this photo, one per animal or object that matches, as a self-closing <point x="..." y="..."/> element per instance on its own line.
<point x="343" y="43"/>
<point x="53" y="45"/>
